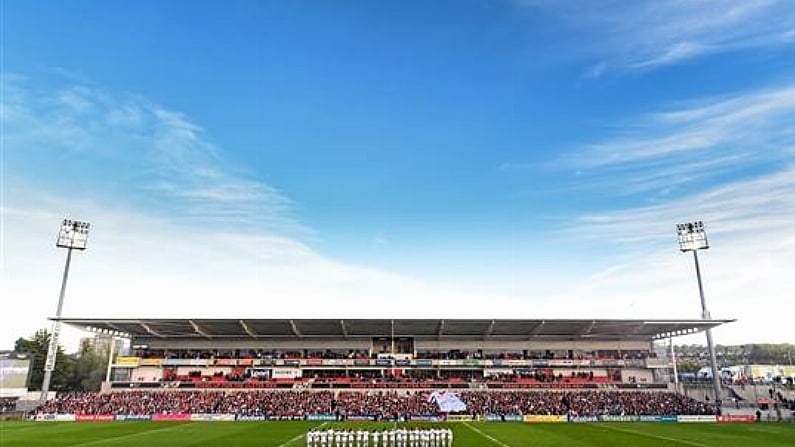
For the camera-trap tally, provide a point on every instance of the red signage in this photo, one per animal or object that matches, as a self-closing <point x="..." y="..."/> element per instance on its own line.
<point x="171" y="417"/>
<point x="94" y="417"/>
<point x="737" y="418"/>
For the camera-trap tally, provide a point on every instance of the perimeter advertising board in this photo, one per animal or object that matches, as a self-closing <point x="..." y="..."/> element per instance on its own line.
<point x="504" y="418"/>
<point x="619" y="418"/>
<point x="321" y="417"/>
<point x="253" y="418"/>
<point x="212" y="417"/>
<point x="737" y="419"/>
<point x="583" y="419"/>
<point x="133" y="417"/>
<point x="655" y="418"/>
<point x="545" y="418"/>
<point x="95" y="417"/>
<point x="459" y="418"/>
<point x="171" y="417"/>
<point x="685" y="418"/>
<point x="55" y="417"/>
<point x="426" y="417"/>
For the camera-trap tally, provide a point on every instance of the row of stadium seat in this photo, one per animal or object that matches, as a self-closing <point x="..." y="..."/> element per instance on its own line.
<point x="363" y="354"/>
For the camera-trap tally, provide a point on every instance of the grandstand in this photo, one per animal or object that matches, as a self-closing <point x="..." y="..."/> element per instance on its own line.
<point x="390" y="353"/>
<point x="343" y="372"/>
<point x="384" y="369"/>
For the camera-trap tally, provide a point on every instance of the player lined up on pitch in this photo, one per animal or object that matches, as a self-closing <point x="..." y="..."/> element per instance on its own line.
<point x="393" y="437"/>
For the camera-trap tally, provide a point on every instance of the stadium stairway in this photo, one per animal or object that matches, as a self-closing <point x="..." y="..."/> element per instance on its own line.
<point x="752" y="393"/>
<point x="704" y="393"/>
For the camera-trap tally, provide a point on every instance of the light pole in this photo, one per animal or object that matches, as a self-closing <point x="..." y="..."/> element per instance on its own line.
<point x="72" y="236"/>
<point x="693" y="237"/>
<point x="673" y="363"/>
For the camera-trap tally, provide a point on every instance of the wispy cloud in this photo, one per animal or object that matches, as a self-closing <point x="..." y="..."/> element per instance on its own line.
<point x="742" y="143"/>
<point x="145" y="147"/>
<point x="631" y="35"/>
<point x="764" y="205"/>
<point x="689" y="143"/>
<point x="596" y="71"/>
<point x="677" y="52"/>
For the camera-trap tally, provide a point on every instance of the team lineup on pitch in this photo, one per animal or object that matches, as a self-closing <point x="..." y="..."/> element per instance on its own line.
<point x="393" y="437"/>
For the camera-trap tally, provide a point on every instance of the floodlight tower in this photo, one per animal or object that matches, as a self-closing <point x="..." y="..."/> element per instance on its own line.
<point x="72" y="236"/>
<point x="693" y="237"/>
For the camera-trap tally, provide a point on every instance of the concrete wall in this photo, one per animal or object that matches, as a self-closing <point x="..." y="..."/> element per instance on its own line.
<point x="640" y="375"/>
<point x="147" y="374"/>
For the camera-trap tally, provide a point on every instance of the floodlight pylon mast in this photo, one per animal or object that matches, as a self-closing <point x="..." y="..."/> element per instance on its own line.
<point x="693" y="237"/>
<point x="72" y="236"/>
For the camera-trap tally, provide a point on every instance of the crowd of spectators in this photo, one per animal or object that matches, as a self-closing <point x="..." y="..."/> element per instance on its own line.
<point x="384" y="404"/>
<point x="178" y="402"/>
<point x="381" y="404"/>
<point x="584" y="403"/>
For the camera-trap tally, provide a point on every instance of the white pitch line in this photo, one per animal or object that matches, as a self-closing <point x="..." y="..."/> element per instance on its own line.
<point x="132" y="435"/>
<point x="664" y="438"/>
<point x="300" y="435"/>
<point x="494" y="440"/>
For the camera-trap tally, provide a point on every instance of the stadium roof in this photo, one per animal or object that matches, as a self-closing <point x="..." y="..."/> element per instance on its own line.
<point x="541" y="329"/>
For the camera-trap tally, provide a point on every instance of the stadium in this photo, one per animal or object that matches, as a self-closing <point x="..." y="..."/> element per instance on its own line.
<point x="392" y="383"/>
<point x="455" y="223"/>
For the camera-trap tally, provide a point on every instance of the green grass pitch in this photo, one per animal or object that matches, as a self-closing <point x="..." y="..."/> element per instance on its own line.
<point x="466" y="434"/>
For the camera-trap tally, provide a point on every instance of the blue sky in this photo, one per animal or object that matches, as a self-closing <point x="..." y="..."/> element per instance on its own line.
<point x="534" y="154"/>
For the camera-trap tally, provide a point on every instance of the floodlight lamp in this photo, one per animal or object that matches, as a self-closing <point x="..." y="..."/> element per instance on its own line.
<point x="692" y="236"/>
<point x="73" y="234"/>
